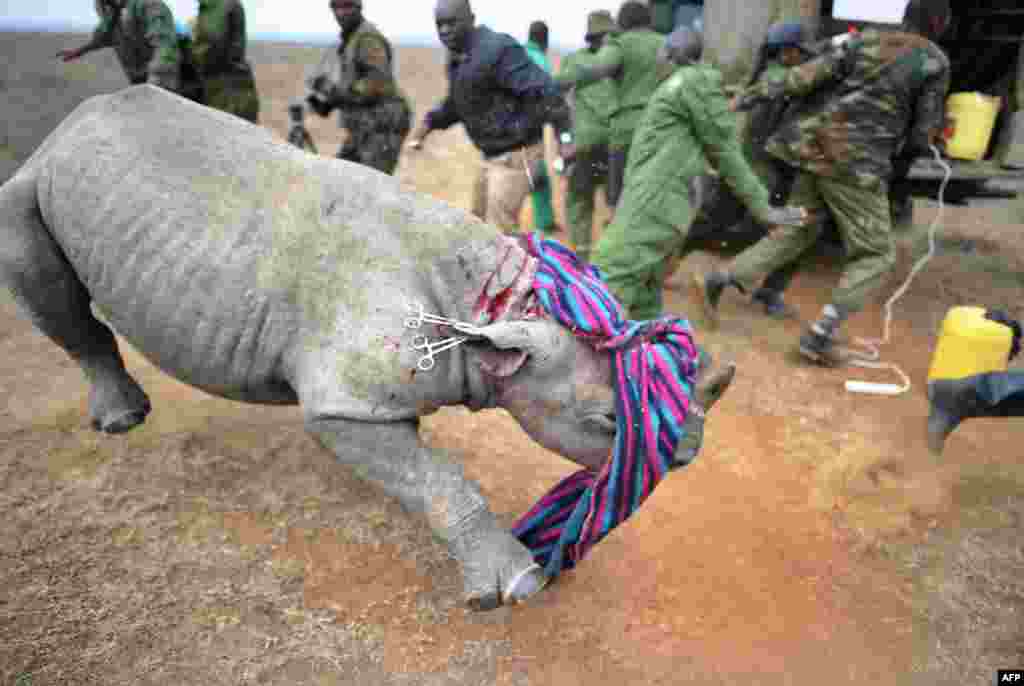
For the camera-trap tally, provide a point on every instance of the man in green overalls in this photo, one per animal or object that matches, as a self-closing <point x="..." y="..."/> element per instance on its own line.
<point x="592" y="108"/>
<point x="218" y="52"/>
<point x="629" y="58"/>
<point x="687" y="126"/>
<point x="357" y="78"/>
<point x="143" y="35"/>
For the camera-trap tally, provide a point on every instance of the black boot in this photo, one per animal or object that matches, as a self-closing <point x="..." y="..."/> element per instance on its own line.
<point x="708" y="289"/>
<point x="818" y="343"/>
<point x="774" y="304"/>
<point x="994" y="394"/>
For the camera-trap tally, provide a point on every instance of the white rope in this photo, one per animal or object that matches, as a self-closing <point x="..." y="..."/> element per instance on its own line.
<point x="870" y="357"/>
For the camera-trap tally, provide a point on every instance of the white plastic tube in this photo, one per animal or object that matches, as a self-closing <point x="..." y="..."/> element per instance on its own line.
<point x="874" y="388"/>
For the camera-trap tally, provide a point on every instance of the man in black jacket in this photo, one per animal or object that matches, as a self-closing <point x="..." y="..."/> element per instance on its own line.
<point x="503" y="99"/>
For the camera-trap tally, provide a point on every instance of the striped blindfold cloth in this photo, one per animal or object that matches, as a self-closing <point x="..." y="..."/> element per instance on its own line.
<point x="654" y="364"/>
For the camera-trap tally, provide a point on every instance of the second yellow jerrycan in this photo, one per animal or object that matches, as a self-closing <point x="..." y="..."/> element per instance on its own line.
<point x="970" y="344"/>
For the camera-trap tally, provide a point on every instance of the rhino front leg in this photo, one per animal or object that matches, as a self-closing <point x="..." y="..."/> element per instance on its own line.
<point x="497" y="569"/>
<point x="47" y="289"/>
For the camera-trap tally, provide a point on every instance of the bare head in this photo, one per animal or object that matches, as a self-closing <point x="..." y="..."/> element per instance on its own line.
<point x="455" y="23"/>
<point x="557" y="387"/>
<point x="348" y="13"/>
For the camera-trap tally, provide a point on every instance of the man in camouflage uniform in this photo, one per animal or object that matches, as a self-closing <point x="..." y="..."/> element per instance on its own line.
<point x="629" y="58"/>
<point x="143" y="35"/>
<point x="784" y="47"/>
<point x="218" y="52"/>
<point x="842" y="141"/>
<point x="358" y="80"/>
<point x="592" y="107"/>
<point x="687" y="126"/>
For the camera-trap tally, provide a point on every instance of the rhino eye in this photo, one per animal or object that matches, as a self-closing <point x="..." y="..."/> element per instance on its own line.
<point x="603" y="422"/>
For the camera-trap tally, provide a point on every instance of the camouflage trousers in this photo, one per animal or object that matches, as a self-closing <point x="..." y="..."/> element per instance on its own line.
<point x="502" y="185"/>
<point x="589" y="171"/>
<point x="376" y="134"/>
<point x="864" y="223"/>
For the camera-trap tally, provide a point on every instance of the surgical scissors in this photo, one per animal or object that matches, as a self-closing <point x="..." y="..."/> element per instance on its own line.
<point x="426" y="361"/>
<point x="420" y="316"/>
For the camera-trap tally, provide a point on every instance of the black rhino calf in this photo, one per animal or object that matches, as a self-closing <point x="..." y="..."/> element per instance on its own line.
<point x="256" y="272"/>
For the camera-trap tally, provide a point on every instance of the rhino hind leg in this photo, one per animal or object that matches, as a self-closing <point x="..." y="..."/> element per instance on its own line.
<point x="44" y="285"/>
<point x="496" y="568"/>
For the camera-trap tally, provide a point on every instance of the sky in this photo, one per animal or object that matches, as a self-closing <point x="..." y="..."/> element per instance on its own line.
<point x="410" y="19"/>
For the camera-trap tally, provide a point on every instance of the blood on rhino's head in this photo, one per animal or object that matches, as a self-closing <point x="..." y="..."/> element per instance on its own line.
<point x="557" y="386"/>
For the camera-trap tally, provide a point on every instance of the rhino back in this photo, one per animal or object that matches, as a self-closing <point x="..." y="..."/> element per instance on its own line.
<point x="216" y="250"/>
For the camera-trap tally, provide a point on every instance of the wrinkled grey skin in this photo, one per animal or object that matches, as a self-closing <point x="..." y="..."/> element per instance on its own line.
<point x="256" y="272"/>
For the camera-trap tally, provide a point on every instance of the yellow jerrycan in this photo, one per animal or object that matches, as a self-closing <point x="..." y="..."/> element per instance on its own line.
<point x="969" y="344"/>
<point x="974" y="116"/>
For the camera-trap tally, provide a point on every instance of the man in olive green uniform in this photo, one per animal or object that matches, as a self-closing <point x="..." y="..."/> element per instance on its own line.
<point x="592" y="107"/>
<point x="629" y="58"/>
<point x="687" y="126"/>
<point x="218" y="52"/>
<point x="358" y="80"/>
<point x="143" y="35"/>
<point x="891" y="96"/>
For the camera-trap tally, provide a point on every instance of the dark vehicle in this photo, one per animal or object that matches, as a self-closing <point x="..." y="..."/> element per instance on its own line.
<point x="983" y="43"/>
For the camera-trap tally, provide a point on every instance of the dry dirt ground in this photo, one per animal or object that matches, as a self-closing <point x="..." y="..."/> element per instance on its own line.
<point x="814" y="541"/>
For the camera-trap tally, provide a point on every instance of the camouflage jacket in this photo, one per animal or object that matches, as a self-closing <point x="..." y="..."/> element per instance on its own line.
<point x="889" y="97"/>
<point x="360" y="71"/>
<point x="143" y="35"/>
<point x="686" y="127"/>
<point x="592" y="104"/>
<point x="218" y="38"/>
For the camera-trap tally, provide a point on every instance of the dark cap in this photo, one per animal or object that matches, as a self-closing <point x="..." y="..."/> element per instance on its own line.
<point x="599" y="23"/>
<point x="788" y="34"/>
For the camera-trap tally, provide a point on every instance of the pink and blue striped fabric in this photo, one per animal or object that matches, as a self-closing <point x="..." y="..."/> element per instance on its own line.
<point x="654" y="364"/>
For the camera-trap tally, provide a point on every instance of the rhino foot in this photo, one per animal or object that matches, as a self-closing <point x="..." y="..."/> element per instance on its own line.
<point x="117" y="407"/>
<point x="498" y="571"/>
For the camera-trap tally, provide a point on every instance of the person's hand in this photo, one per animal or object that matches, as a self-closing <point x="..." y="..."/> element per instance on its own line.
<point x="69" y="55"/>
<point x="417" y="137"/>
<point x="318" y="105"/>
<point x="567" y="151"/>
<point x="785" y="216"/>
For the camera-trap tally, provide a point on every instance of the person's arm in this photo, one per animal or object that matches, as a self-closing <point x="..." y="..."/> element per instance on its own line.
<point x="715" y="126"/>
<point x="236" y="34"/>
<point x="102" y="37"/>
<point x="161" y="36"/>
<point x="517" y="74"/>
<point x="803" y="79"/>
<point x="608" y="64"/>
<point x="930" y="108"/>
<point x="374" y="62"/>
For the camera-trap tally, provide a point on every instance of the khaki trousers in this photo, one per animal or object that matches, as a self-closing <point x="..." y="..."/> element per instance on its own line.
<point x="502" y="185"/>
<point x="862" y="217"/>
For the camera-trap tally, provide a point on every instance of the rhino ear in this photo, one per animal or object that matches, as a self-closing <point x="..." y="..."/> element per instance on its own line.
<point x="511" y="343"/>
